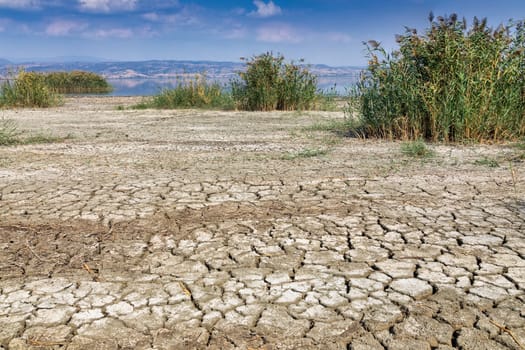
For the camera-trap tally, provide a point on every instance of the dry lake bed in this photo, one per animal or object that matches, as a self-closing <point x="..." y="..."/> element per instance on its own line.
<point x="187" y="229"/>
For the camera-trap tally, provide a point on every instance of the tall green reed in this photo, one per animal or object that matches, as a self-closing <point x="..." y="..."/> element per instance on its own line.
<point x="451" y="83"/>
<point x="27" y="89"/>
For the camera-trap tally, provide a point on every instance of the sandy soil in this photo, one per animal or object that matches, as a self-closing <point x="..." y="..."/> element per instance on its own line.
<point x="152" y="229"/>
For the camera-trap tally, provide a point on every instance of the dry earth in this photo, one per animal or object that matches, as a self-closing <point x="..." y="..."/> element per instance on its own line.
<point x="208" y="229"/>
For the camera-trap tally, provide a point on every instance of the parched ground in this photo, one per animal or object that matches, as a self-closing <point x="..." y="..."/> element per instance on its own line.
<point x="206" y="229"/>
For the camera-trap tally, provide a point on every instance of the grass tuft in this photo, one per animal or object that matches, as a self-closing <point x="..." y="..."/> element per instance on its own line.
<point x="305" y="153"/>
<point x="416" y="149"/>
<point x="195" y="93"/>
<point x="11" y="136"/>
<point x="8" y="132"/>
<point x="489" y="162"/>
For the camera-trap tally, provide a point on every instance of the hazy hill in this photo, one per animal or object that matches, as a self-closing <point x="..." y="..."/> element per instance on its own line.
<point x="156" y="69"/>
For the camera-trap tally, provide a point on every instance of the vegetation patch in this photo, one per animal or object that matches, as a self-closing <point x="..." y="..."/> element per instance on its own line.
<point x="8" y="132"/>
<point x="195" y="93"/>
<point x="342" y="127"/>
<point x="270" y="83"/>
<point x="28" y="89"/>
<point x="76" y="82"/>
<point x="34" y="89"/>
<point x="489" y="162"/>
<point x="10" y="135"/>
<point x="416" y="149"/>
<point x="305" y="153"/>
<point x="451" y="83"/>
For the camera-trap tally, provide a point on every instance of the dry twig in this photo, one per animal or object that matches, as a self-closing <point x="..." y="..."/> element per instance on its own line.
<point x="90" y="271"/>
<point x="184" y="289"/>
<point x="506" y="330"/>
<point x="35" y="254"/>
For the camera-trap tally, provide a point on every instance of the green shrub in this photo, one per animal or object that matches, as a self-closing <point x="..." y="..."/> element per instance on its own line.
<point x="195" y="93"/>
<point x="27" y="89"/>
<point x="269" y="83"/>
<point x="76" y="82"/>
<point x="448" y="84"/>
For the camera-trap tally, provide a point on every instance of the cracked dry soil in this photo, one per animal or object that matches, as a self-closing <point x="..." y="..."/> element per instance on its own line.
<point x="206" y="229"/>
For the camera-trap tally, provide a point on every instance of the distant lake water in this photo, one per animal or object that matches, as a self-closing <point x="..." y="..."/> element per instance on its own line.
<point x="149" y="87"/>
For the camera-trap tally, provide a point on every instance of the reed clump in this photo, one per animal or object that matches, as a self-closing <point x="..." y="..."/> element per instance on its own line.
<point x="36" y="89"/>
<point x="270" y="83"/>
<point x="451" y="83"/>
<point x="77" y="82"/>
<point x="28" y="89"/>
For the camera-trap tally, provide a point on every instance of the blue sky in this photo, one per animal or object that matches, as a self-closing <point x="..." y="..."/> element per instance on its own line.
<point x="329" y="31"/>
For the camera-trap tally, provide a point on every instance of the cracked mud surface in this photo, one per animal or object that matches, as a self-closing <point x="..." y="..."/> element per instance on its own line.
<point x="205" y="229"/>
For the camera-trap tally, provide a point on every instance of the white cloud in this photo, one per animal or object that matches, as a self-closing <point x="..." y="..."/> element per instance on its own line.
<point x="235" y="33"/>
<point x="107" y="5"/>
<point x="184" y="17"/>
<point x="339" y="37"/>
<point x="119" y="33"/>
<point x="266" y="9"/>
<point x="4" y="23"/>
<point x="20" y="3"/>
<point x="64" y="28"/>
<point x="278" y="34"/>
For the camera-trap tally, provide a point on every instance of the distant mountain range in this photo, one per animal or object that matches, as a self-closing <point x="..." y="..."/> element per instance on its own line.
<point x="155" y="69"/>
